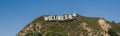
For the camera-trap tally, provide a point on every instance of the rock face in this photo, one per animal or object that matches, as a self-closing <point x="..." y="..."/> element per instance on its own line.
<point x="105" y="26"/>
<point x="80" y="26"/>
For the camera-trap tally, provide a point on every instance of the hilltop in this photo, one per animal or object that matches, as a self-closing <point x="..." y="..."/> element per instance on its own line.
<point x="80" y="26"/>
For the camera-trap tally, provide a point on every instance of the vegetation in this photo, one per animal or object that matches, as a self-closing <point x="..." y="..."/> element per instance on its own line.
<point x="56" y="33"/>
<point x="92" y="22"/>
<point x="115" y="26"/>
<point x="33" y="34"/>
<point x="112" y="32"/>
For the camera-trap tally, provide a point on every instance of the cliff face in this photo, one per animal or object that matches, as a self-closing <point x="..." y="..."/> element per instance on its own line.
<point x="80" y="26"/>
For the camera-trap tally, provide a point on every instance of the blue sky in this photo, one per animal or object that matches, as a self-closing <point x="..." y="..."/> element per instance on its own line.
<point x="15" y="14"/>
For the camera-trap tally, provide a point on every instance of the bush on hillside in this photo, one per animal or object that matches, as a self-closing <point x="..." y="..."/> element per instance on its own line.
<point x="33" y="34"/>
<point x="112" y="32"/>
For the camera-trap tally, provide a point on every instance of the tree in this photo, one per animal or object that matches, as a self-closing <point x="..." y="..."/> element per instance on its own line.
<point x="112" y="32"/>
<point x="113" y="22"/>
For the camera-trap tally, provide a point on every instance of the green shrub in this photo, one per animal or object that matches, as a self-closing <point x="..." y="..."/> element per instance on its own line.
<point x="55" y="33"/>
<point x="112" y="32"/>
<point x="33" y="34"/>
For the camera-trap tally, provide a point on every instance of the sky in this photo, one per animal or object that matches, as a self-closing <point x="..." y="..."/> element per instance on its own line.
<point x="15" y="14"/>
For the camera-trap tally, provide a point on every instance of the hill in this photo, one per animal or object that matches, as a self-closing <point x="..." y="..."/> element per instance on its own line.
<point x="80" y="26"/>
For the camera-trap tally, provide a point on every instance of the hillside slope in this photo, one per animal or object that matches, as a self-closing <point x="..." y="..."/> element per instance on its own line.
<point x="80" y="26"/>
